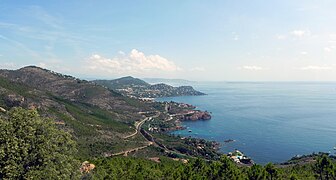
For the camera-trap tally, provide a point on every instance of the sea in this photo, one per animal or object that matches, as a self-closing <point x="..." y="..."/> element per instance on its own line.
<point x="268" y="121"/>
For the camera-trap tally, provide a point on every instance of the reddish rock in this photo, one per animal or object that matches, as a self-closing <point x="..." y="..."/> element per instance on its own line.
<point x="196" y="115"/>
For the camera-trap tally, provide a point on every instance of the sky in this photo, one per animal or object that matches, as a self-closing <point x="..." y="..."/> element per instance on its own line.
<point x="218" y="40"/>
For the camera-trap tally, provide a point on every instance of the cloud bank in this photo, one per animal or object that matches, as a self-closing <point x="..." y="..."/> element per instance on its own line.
<point x="251" y="68"/>
<point x="134" y="63"/>
<point x="316" y="68"/>
<point x="300" y="33"/>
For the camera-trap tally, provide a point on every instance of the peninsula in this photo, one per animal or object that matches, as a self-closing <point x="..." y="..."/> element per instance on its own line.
<point x="134" y="87"/>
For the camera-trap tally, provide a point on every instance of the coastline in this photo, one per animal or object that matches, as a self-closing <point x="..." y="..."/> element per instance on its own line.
<point x="238" y="116"/>
<point x="190" y="113"/>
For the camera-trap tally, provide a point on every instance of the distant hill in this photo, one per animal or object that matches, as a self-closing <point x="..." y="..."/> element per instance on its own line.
<point x="135" y="87"/>
<point x="123" y="82"/>
<point x="167" y="81"/>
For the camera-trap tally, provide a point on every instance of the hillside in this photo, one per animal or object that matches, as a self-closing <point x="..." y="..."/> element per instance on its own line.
<point x="135" y="87"/>
<point x="104" y="122"/>
<point x="70" y="88"/>
<point x="98" y="117"/>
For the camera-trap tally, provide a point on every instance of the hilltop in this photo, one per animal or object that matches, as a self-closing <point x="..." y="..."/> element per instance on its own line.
<point x="134" y="87"/>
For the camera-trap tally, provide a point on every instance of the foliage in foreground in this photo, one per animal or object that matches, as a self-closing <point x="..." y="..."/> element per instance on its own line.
<point x="136" y="168"/>
<point x="33" y="148"/>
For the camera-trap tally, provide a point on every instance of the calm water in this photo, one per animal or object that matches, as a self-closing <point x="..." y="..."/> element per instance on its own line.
<point x="271" y="122"/>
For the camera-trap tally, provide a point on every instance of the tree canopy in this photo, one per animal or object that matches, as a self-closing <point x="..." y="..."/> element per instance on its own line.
<point x="31" y="147"/>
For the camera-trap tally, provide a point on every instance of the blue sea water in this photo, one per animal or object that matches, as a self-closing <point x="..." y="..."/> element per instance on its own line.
<point x="270" y="121"/>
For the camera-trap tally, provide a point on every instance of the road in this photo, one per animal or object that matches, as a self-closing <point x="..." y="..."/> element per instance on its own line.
<point x="131" y="150"/>
<point x="137" y="130"/>
<point x="138" y="126"/>
<point x="149" y="142"/>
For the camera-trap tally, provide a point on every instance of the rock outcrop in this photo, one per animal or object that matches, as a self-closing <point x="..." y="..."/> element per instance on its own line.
<point x="86" y="167"/>
<point x="2" y="110"/>
<point x="13" y="100"/>
<point x="196" y="115"/>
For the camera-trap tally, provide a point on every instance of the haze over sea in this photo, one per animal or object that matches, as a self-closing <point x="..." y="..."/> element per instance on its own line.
<point x="270" y="121"/>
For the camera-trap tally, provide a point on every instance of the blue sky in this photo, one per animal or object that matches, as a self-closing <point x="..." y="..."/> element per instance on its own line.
<point x="241" y="40"/>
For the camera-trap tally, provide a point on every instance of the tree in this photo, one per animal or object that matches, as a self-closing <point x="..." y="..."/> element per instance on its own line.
<point x="271" y="170"/>
<point x="324" y="168"/>
<point x="256" y="172"/>
<point x="31" y="147"/>
<point x="293" y="177"/>
<point x="226" y="169"/>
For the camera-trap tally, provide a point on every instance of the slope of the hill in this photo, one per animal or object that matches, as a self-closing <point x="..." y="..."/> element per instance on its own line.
<point x="98" y="117"/>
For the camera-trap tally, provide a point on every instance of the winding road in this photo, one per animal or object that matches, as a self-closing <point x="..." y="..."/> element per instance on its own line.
<point x="138" y="126"/>
<point x="137" y="130"/>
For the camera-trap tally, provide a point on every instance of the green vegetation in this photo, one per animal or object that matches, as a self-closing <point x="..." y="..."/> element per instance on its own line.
<point x="189" y="146"/>
<point x="324" y="168"/>
<point x="14" y="87"/>
<point x="95" y="129"/>
<point x="137" y="168"/>
<point x="33" y="148"/>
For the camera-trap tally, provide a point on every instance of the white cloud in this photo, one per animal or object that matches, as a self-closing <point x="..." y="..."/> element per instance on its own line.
<point x="300" y="33"/>
<point x="281" y="37"/>
<point x="327" y="49"/>
<point x="56" y="65"/>
<point x="251" y="68"/>
<point x="295" y="34"/>
<point x="304" y="53"/>
<point x="332" y="36"/>
<point x="201" y="69"/>
<point x="42" y="65"/>
<point x="316" y="68"/>
<point x="135" y="62"/>
<point x="121" y="53"/>
<point x="235" y="36"/>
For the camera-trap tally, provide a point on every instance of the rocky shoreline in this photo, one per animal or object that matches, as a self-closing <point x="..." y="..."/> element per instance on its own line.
<point x="196" y="115"/>
<point x="187" y="112"/>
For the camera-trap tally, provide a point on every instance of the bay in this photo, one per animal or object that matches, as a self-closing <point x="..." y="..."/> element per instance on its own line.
<point x="269" y="121"/>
